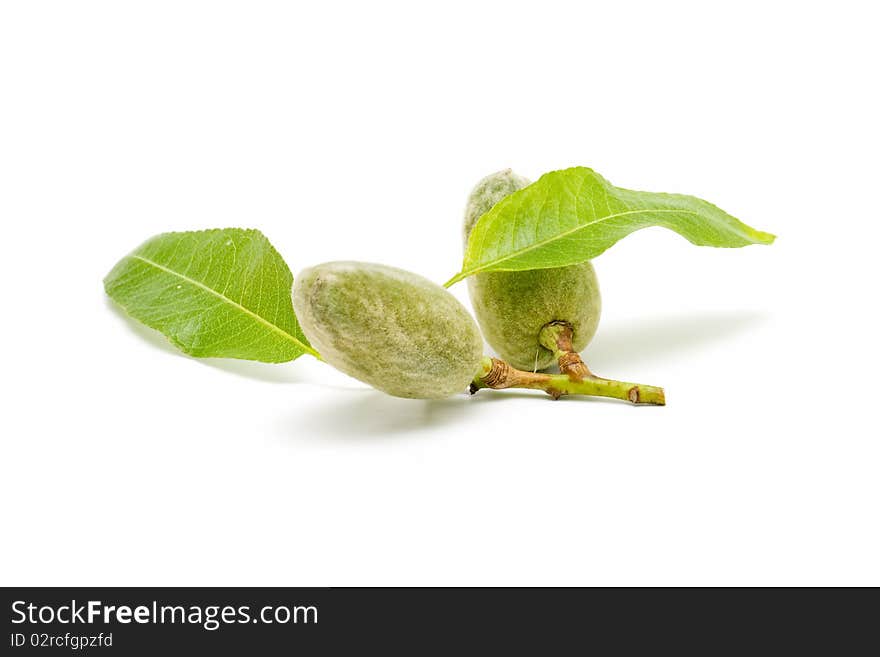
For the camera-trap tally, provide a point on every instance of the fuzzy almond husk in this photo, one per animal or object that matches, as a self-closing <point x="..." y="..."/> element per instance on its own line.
<point x="513" y="307"/>
<point x="389" y="328"/>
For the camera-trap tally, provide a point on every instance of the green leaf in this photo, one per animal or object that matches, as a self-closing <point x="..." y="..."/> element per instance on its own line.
<point x="571" y="216"/>
<point x="222" y="293"/>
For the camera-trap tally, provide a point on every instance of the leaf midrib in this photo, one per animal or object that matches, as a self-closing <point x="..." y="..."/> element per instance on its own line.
<point x="566" y="233"/>
<point x="273" y="327"/>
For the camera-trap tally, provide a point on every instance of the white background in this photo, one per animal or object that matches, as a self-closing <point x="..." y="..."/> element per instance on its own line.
<point x="355" y="131"/>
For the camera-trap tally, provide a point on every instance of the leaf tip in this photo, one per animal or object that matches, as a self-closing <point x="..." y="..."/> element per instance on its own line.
<point x="764" y="238"/>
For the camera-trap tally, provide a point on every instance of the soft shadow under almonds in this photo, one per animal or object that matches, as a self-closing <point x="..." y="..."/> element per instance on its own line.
<point x="361" y="416"/>
<point x="662" y="338"/>
<point x="268" y="372"/>
<point x="364" y="415"/>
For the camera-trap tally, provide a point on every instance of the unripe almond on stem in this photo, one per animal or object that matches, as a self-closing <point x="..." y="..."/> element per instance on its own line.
<point x="513" y="307"/>
<point x="537" y="317"/>
<point x="389" y="328"/>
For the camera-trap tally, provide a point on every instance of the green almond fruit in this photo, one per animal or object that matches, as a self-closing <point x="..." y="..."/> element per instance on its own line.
<point x="513" y="307"/>
<point x="389" y="328"/>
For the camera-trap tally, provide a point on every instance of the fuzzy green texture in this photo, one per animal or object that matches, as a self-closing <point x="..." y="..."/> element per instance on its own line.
<point x="487" y="193"/>
<point x="389" y="328"/>
<point x="513" y="306"/>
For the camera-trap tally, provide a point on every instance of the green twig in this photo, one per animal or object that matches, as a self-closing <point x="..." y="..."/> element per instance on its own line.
<point x="497" y="374"/>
